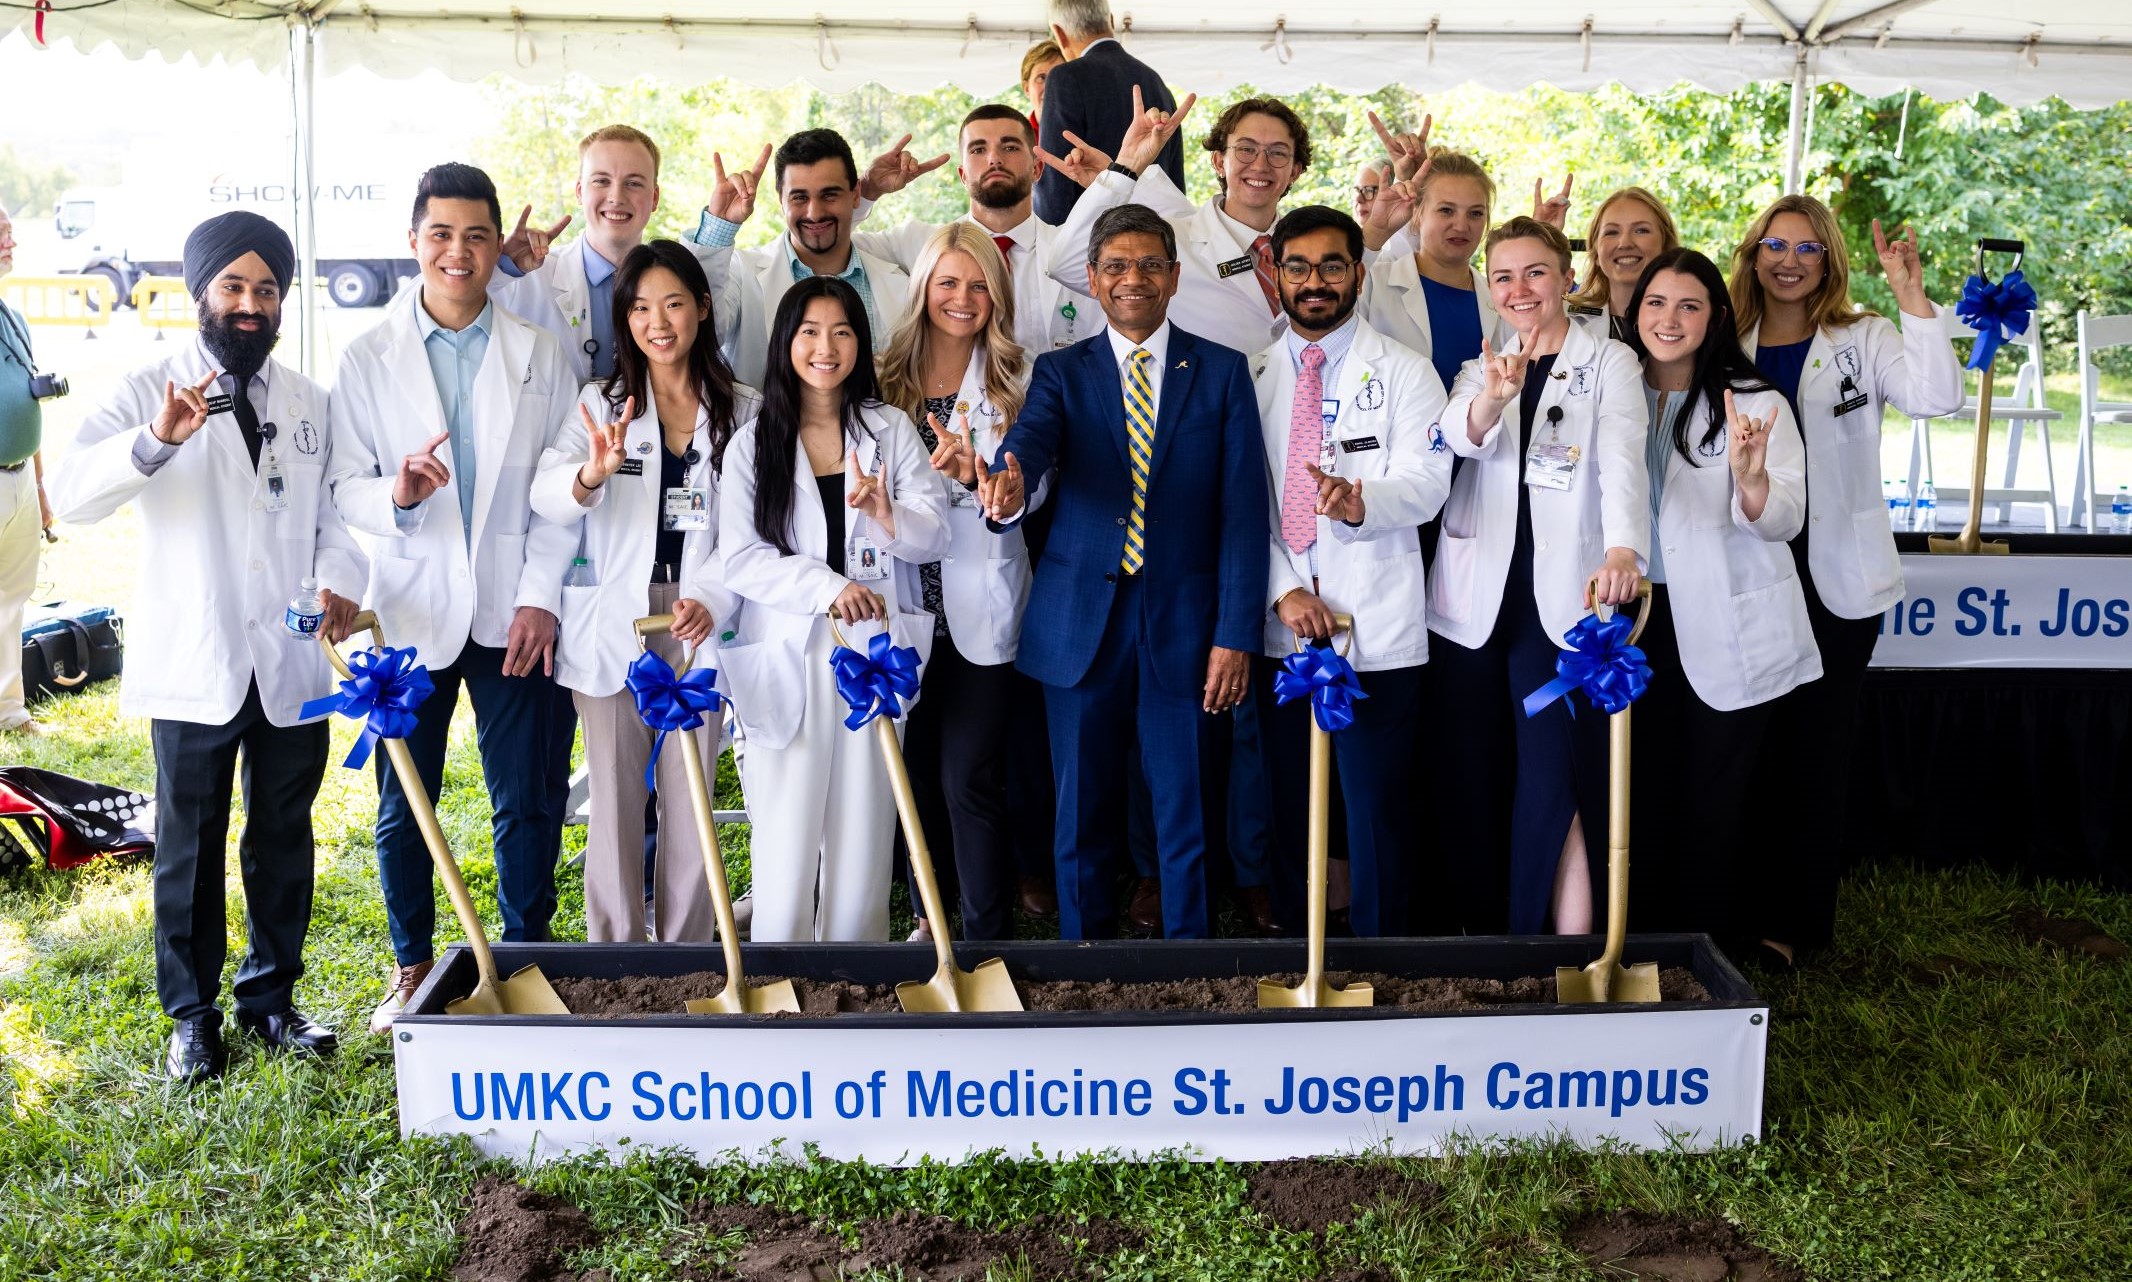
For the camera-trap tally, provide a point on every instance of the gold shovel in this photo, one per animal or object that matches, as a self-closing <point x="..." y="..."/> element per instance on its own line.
<point x="1314" y="991"/>
<point x="737" y="998"/>
<point x="1970" y="542"/>
<point x="525" y="993"/>
<point x="951" y="988"/>
<point x="1607" y="980"/>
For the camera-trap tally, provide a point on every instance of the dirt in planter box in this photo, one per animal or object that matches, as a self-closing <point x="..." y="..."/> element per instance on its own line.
<point x="1666" y="1248"/>
<point x="639" y="995"/>
<point x="1308" y="1195"/>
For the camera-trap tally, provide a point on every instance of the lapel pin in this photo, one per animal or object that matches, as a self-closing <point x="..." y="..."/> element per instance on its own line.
<point x="1184" y="364"/>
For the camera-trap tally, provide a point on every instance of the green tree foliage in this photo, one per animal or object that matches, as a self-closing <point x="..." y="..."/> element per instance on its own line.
<point x="29" y="187"/>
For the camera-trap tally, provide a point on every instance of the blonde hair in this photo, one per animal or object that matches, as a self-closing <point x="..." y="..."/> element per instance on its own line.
<point x="903" y="361"/>
<point x="1526" y="227"/>
<point x="1446" y="163"/>
<point x="1041" y="52"/>
<point x="620" y="133"/>
<point x="1594" y="289"/>
<point x="1831" y="303"/>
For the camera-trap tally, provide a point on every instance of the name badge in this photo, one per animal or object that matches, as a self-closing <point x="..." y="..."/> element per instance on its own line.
<point x="1356" y="445"/>
<point x="960" y="495"/>
<point x="687" y="508"/>
<point x="273" y="481"/>
<point x="1551" y="465"/>
<point x="630" y="467"/>
<point x="1235" y="267"/>
<point x="220" y="403"/>
<point x="863" y="560"/>
<point x="1857" y="400"/>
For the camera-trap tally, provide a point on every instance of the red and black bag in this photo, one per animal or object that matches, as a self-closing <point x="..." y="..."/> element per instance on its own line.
<point x="70" y="821"/>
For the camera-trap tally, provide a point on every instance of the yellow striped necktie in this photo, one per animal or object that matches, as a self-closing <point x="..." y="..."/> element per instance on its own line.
<point x="1140" y="433"/>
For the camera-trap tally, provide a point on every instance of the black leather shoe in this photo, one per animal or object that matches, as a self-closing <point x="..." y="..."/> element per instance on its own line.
<point x="288" y="1030"/>
<point x="195" y="1051"/>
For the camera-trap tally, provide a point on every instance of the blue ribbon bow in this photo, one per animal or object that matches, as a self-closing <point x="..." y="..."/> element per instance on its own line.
<point x="667" y="701"/>
<point x="383" y="688"/>
<point x="1996" y="310"/>
<point x="1325" y="677"/>
<point x="872" y="683"/>
<point x="1600" y="661"/>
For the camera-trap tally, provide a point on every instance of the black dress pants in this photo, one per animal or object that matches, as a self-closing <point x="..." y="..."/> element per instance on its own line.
<point x="194" y="767"/>
<point x="956" y="748"/>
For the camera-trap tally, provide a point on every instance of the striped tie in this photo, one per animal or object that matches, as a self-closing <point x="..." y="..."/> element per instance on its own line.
<point x="1140" y="430"/>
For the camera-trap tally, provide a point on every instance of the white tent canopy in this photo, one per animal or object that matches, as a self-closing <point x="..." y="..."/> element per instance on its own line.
<point x="2078" y="50"/>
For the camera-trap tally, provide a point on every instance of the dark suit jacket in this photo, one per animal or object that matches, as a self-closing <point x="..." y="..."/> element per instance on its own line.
<point x="1204" y="576"/>
<point x="1093" y="96"/>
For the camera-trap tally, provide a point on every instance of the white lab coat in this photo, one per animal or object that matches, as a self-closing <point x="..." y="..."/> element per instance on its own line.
<point x="1850" y="548"/>
<point x="557" y="297"/>
<point x="617" y="532"/>
<point x="217" y="568"/>
<point x="1599" y="386"/>
<point x="1047" y="315"/>
<point x="1396" y="305"/>
<point x="984" y="577"/>
<point x="1229" y="309"/>
<point x="785" y="598"/>
<point x="748" y="284"/>
<point x="438" y="584"/>
<point x="1372" y="572"/>
<point x="1738" y="610"/>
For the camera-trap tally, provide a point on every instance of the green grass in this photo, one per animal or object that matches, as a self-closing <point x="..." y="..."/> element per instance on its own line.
<point x="1970" y="1129"/>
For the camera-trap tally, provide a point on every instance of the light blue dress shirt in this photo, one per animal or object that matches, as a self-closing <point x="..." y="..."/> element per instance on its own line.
<point x="454" y="361"/>
<point x="599" y="275"/>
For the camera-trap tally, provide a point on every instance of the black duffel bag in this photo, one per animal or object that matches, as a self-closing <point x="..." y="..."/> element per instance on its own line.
<point x="65" y="647"/>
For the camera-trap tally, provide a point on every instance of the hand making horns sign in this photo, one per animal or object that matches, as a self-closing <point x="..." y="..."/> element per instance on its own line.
<point x="953" y="457"/>
<point x="1750" y="439"/>
<point x="733" y="195"/>
<point x="606" y="444"/>
<point x="184" y="410"/>
<point x="895" y="169"/>
<point x="527" y="247"/>
<point x="1409" y="153"/>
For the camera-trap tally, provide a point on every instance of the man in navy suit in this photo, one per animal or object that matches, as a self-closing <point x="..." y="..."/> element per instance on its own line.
<point x="1151" y="593"/>
<point x="1089" y="96"/>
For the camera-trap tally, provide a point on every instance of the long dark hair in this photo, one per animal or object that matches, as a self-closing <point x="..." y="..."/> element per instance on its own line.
<point x="708" y="373"/>
<point x="777" y="427"/>
<point x="1720" y="363"/>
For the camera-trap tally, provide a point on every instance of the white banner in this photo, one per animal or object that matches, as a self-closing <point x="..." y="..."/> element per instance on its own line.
<point x="2010" y="612"/>
<point x="1242" y="1091"/>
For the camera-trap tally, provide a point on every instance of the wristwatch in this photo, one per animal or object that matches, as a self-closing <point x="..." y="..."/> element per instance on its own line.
<point x="1117" y="168"/>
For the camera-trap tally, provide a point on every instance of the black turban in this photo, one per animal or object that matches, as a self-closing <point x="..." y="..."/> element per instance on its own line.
<point x="225" y="238"/>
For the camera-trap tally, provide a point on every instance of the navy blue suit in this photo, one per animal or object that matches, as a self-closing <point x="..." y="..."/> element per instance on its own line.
<point x="1092" y="96"/>
<point x="1124" y="655"/>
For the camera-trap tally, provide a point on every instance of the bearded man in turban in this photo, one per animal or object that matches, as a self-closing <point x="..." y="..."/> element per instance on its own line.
<point x="222" y="451"/>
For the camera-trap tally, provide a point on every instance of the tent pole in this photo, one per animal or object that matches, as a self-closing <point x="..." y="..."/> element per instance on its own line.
<point x="304" y="64"/>
<point x="1795" y="145"/>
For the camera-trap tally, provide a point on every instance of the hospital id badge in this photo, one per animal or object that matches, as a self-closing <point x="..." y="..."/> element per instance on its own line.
<point x="273" y="483"/>
<point x="687" y="508"/>
<point x="863" y="561"/>
<point x="960" y="495"/>
<point x="1551" y="465"/>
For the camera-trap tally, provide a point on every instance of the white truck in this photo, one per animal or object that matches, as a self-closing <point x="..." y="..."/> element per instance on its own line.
<point x="125" y="233"/>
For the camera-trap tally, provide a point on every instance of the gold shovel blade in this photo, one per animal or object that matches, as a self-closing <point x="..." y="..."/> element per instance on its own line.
<point x="1594" y="983"/>
<point x="1274" y="996"/>
<point x="527" y="992"/>
<point x="1959" y="546"/>
<point x="989" y="987"/>
<point x="777" y="998"/>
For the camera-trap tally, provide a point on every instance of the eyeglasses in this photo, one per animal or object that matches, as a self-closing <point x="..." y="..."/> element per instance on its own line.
<point x="1332" y="271"/>
<point x="1365" y="193"/>
<point x="1808" y="250"/>
<point x="1116" y="267"/>
<point x="1278" y="156"/>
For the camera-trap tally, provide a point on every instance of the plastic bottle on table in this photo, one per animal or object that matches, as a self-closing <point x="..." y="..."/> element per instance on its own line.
<point x="1898" y="504"/>
<point x="1926" y="515"/>
<point x="2121" y="511"/>
<point x="306" y="612"/>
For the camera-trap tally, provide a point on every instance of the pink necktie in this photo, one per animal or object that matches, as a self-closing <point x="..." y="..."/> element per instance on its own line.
<point x="1306" y="436"/>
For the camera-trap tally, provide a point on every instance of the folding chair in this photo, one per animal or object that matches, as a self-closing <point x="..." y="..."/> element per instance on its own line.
<point x="2025" y="406"/>
<point x="2096" y="333"/>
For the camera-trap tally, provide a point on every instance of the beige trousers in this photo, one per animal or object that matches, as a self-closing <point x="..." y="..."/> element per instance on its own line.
<point x="617" y="746"/>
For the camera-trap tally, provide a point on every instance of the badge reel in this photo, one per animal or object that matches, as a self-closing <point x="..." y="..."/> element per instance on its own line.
<point x="686" y="507"/>
<point x="274" y="480"/>
<point x="1549" y="464"/>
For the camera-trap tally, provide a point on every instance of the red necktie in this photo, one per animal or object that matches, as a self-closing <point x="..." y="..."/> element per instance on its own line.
<point x="1006" y="248"/>
<point x="1262" y="264"/>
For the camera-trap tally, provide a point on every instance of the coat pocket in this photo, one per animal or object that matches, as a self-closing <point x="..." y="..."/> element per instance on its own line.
<point x="1451" y="578"/>
<point x="1880" y="570"/>
<point x="766" y="681"/>
<point x="1765" y="630"/>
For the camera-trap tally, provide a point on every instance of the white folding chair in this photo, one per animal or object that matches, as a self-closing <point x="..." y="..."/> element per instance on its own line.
<point x="2095" y="333"/>
<point x="2023" y="407"/>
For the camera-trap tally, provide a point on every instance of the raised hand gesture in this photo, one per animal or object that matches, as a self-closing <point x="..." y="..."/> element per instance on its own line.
<point x="606" y="444"/>
<point x="1338" y="498"/>
<point x="869" y="494"/>
<point x="1408" y="152"/>
<point x="1393" y="208"/>
<point x="1000" y="493"/>
<point x="1552" y="210"/>
<point x="527" y="247"/>
<point x="1082" y="164"/>
<point x="421" y="474"/>
<point x="1150" y="132"/>
<point x="894" y="169"/>
<point x="1898" y="258"/>
<point x="1750" y="440"/>
<point x="954" y="456"/>
<point x="184" y="410"/>
<point x="1505" y="373"/>
<point x="733" y="194"/>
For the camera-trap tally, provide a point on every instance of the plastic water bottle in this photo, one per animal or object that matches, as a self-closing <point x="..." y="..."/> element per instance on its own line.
<point x="1898" y="504"/>
<point x="580" y="575"/>
<point x="2121" y="511"/>
<point x="1926" y="515"/>
<point x="307" y="610"/>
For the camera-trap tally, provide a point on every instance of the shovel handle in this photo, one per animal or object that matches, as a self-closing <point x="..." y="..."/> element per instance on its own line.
<point x="1999" y="245"/>
<point x="1643" y="591"/>
<point x="425" y="813"/>
<point x="1341" y="623"/>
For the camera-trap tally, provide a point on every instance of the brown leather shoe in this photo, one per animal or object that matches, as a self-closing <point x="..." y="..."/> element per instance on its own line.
<point x="1257" y="906"/>
<point x="405" y="981"/>
<point x="1040" y="898"/>
<point x="1144" y="911"/>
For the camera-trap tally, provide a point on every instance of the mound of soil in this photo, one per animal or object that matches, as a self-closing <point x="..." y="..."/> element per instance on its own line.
<point x="1308" y="1195"/>
<point x="663" y="995"/>
<point x="782" y="1247"/>
<point x="1665" y="1248"/>
<point x="2073" y="934"/>
<point x="513" y="1234"/>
